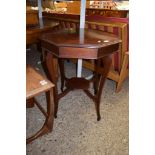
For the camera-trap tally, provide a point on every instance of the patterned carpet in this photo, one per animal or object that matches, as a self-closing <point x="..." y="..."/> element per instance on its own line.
<point x="76" y="130"/>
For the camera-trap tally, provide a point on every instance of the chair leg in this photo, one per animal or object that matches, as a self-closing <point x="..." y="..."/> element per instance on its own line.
<point x="123" y="73"/>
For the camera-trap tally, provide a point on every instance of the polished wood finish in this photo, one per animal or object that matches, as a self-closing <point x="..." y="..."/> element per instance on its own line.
<point x="117" y="26"/>
<point x="35" y="85"/>
<point x="107" y="12"/>
<point x="68" y="43"/>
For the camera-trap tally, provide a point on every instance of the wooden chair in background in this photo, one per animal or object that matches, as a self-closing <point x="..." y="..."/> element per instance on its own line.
<point x="124" y="72"/>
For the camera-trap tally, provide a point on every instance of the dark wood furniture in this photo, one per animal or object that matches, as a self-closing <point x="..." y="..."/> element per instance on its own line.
<point x="107" y="12"/>
<point x="68" y="43"/>
<point x="33" y="32"/>
<point x="35" y="85"/>
<point x="115" y="25"/>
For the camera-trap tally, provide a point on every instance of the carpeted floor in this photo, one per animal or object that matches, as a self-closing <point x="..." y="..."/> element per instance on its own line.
<point x="76" y="130"/>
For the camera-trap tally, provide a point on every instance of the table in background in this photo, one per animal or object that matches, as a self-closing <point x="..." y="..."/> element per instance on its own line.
<point x="33" y="32"/>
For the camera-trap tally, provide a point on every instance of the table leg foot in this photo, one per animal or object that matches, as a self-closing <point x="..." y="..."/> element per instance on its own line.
<point x="98" y="118"/>
<point x="102" y="67"/>
<point x="97" y="105"/>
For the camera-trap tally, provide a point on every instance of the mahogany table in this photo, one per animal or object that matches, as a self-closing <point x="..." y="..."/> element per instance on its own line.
<point x="83" y="44"/>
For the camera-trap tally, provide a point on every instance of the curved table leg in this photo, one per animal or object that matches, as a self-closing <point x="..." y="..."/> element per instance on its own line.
<point x="106" y="66"/>
<point x="96" y="75"/>
<point x="62" y="72"/>
<point x="50" y="71"/>
<point x="48" y="125"/>
<point x="99" y="81"/>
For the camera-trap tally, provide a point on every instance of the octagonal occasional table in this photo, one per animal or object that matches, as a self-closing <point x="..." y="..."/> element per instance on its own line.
<point x="80" y="44"/>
